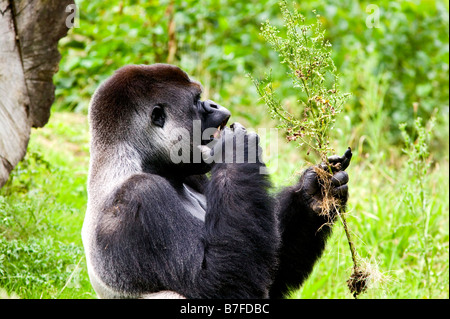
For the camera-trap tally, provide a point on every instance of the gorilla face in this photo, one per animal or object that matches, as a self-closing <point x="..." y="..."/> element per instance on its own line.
<point x="156" y="111"/>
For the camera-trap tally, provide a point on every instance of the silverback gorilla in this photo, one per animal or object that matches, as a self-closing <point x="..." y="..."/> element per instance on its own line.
<point x="156" y="227"/>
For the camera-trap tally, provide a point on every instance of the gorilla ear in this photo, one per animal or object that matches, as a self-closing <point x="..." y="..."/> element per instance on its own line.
<point x="158" y="116"/>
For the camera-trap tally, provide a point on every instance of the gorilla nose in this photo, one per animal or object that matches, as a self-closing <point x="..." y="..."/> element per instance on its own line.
<point x="216" y="112"/>
<point x="210" y="106"/>
<point x="215" y="115"/>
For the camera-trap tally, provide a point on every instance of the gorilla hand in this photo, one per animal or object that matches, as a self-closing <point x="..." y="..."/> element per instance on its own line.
<point x="312" y="188"/>
<point x="234" y="145"/>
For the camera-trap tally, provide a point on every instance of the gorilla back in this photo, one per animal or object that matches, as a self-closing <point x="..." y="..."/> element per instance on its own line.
<point x="158" y="225"/>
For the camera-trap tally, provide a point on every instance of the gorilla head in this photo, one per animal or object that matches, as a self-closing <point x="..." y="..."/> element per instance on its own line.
<point x="155" y="113"/>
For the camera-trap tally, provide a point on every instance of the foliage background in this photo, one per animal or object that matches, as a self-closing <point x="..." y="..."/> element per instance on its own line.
<point x="396" y="72"/>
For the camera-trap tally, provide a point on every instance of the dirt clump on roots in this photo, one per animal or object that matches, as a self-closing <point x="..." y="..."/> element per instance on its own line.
<point x="358" y="281"/>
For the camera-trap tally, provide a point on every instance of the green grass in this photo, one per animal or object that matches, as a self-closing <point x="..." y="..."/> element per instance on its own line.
<point x="42" y="210"/>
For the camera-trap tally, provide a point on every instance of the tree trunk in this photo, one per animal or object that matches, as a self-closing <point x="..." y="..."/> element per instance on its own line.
<point x="29" y="35"/>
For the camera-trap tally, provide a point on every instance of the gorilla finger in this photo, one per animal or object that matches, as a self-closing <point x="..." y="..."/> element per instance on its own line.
<point x="333" y="159"/>
<point x="347" y="158"/>
<point x="325" y="167"/>
<point x="227" y="134"/>
<point x="259" y="155"/>
<point x="207" y="154"/>
<point x="227" y="130"/>
<point x="238" y="128"/>
<point x="340" y="178"/>
<point x="334" y="164"/>
<point x="341" y="191"/>
<point x="343" y="160"/>
<point x="309" y="181"/>
<point x="252" y="136"/>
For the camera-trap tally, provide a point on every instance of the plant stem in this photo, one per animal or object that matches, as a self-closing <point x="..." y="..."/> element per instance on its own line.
<point x="349" y="239"/>
<point x="305" y="86"/>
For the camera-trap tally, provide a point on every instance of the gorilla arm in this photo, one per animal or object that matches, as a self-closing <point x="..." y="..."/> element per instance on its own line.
<point x="148" y="242"/>
<point x="303" y="231"/>
<point x="145" y="241"/>
<point x="241" y="232"/>
<point x="241" y="238"/>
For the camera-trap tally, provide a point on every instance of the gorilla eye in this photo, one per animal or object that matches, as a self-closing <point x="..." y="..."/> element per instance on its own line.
<point x="158" y="116"/>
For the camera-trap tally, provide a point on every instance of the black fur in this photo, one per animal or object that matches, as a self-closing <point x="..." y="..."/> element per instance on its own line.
<point x="140" y="235"/>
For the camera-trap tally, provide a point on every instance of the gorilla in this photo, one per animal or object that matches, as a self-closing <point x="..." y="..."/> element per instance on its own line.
<point x="206" y="226"/>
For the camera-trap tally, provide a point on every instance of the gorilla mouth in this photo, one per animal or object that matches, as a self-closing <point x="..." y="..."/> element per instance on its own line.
<point x="220" y="128"/>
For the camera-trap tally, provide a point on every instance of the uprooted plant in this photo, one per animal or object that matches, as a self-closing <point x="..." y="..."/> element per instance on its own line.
<point x="307" y="55"/>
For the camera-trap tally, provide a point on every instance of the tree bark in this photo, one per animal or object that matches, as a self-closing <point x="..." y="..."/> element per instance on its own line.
<point x="29" y="57"/>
